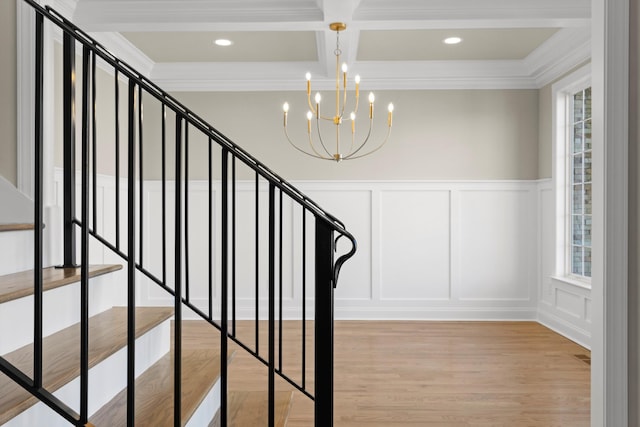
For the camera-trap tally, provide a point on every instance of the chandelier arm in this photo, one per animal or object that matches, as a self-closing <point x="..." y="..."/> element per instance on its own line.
<point x="314" y="110"/>
<point x="320" y="138"/>
<point x="316" y="155"/>
<point x="353" y="140"/>
<point x="352" y="157"/>
<point x="351" y="152"/>
<point x="313" y="147"/>
<point x="311" y="107"/>
<point x="344" y="100"/>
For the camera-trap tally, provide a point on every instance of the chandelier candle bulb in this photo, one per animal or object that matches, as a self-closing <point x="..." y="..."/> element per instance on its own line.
<point x="308" y="84"/>
<point x="372" y="99"/>
<point x="353" y="123"/>
<point x="318" y="99"/>
<point x="309" y="116"/>
<point x="344" y="75"/>
<point x="285" y="108"/>
<point x="390" y="118"/>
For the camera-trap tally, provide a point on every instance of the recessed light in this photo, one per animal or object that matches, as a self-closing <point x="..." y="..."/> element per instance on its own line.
<point x="452" y="40"/>
<point x="223" y="42"/>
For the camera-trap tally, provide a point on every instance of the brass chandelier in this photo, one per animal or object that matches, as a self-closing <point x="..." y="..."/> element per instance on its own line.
<point x="319" y="148"/>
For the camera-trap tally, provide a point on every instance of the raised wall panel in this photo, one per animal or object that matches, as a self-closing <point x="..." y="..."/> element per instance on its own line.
<point x="495" y="241"/>
<point x="415" y="245"/>
<point x="570" y="303"/>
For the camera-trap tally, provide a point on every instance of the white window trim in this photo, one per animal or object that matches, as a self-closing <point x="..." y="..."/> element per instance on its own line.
<point x="560" y="92"/>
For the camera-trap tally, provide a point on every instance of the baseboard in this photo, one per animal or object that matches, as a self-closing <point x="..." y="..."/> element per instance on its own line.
<point x="442" y="314"/>
<point x="565" y="328"/>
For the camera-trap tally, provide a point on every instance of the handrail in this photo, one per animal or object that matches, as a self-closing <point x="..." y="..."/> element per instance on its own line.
<point x="195" y="119"/>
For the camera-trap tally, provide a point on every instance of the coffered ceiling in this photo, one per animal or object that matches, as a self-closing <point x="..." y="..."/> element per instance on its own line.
<point x="392" y="44"/>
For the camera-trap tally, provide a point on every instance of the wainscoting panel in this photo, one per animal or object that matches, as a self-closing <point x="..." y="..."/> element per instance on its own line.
<point x="415" y="245"/>
<point x="496" y="245"/>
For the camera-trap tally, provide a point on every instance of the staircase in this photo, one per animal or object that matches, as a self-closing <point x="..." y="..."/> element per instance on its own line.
<point x="78" y="346"/>
<point x="107" y="326"/>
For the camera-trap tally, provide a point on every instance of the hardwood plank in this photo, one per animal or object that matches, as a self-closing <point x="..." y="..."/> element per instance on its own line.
<point x="61" y="353"/>
<point x="18" y="285"/>
<point x="15" y="227"/>
<point x="424" y="373"/>
<point x="154" y="387"/>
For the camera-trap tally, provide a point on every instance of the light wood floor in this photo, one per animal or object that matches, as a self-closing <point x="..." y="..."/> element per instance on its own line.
<point x="397" y="373"/>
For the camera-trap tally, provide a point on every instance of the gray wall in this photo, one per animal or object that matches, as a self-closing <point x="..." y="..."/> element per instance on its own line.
<point x="439" y="134"/>
<point x="8" y="132"/>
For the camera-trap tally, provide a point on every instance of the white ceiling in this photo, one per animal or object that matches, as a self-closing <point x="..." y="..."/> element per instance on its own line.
<point x="391" y="44"/>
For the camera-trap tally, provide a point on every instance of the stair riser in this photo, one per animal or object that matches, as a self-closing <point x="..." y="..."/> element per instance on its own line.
<point x="207" y="409"/>
<point x="106" y="379"/>
<point x="16" y="251"/>
<point x="61" y="308"/>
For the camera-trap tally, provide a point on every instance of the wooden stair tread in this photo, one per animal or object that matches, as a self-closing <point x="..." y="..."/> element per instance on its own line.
<point x="154" y="387"/>
<point x="249" y="409"/>
<point x="16" y="227"/>
<point x="18" y="285"/>
<point x="61" y="353"/>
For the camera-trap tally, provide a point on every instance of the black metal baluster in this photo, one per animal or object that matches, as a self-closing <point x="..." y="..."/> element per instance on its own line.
<point x="233" y="244"/>
<point x="304" y="297"/>
<point x="69" y="150"/>
<point x="186" y="209"/>
<point x="280" y="286"/>
<point x="210" y="243"/>
<point x="131" y="254"/>
<point x="177" y="369"/>
<point x="164" y="193"/>
<point x="272" y="296"/>
<point x="38" y="222"/>
<point x="117" y="140"/>
<point x="141" y="177"/>
<point x="94" y="146"/>
<point x="87" y="76"/>
<point x="257" y="265"/>
<point x="324" y="248"/>
<point x="224" y="324"/>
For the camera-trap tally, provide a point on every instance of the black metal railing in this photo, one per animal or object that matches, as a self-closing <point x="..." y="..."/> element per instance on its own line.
<point x="305" y="257"/>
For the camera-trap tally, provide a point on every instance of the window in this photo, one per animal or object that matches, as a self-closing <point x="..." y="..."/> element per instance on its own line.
<point x="580" y="183"/>
<point x="573" y="176"/>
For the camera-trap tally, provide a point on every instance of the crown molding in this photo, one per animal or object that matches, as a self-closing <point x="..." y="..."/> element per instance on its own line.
<point x="409" y="75"/>
<point x="562" y="52"/>
<point x="125" y="51"/>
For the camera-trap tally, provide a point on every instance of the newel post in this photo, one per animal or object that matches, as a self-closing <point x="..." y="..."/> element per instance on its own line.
<point x="324" y="250"/>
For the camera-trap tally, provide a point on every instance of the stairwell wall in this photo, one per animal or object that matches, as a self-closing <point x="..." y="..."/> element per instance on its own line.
<point x="8" y="94"/>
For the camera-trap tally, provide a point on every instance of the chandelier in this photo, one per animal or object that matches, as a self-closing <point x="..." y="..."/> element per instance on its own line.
<point x="318" y="147"/>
